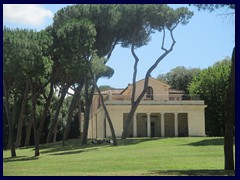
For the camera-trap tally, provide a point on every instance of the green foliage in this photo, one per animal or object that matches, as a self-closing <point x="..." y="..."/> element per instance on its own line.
<point x="74" y="41"/>
<point x="76" y="36"/>
<point x="212" y="85"/>
<point x="105" y="87"/>
<point x="161" y="16"/>
<point x="84" y="33"/>
<point x="139" y="21"/>
<point x="103" y="17"/>
<point x="99" y="68"/>
<point x="132" y="25"/>
<point x="179" y="77"/>
<point x="213" y="7"/>
<point x="81" y="36"/>
<point x="25" y="56"/>
<point x="25" y="53"/>
<point x="26" y="62"/>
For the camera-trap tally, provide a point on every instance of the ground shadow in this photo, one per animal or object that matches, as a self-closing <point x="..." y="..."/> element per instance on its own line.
<point x="133" y="141"/>
<point x="70" y="147"/>
<point x="74" y="152"/>
<point x="19" y="158"/>
<point x="73" y="146"/>
<point x="202" y="172"/>
<point x="208" y="142"/>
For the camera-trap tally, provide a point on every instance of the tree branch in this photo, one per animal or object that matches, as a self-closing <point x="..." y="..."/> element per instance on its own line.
<point x="154" y="66"/>
<point x="171" y="32"/>
<point x="70" y="93"/>
<point x="163" y="41"/>
<point x="112" y="48"/>
<point x="72" y="88"/>
<point x="175" y="26"/>
<point x="134" y="74"/>
<point x="104" y="108"/>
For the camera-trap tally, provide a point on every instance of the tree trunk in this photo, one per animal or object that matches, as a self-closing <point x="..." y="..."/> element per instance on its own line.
<point x="9" y="118"/>
<point x="14" y="112"/>
<point x="230" y="119"/>
<point x="106" y="111"/>
<point x="80" y="117"/>
<point x="13" y="117"/>
<point x="55" y="133"/>
<point x="86" y="112"/>
<point x="21" y="116"/>
<point x="129" y="119"/>
<point x="33" y="116"/>
<point x="28" y="133"/>
<point x="88" y="103"/>
<point x="71" y="109"/>
<point x="45" y="112"/>
<point x="55" y="119"/>
<point x="135" y="103"/>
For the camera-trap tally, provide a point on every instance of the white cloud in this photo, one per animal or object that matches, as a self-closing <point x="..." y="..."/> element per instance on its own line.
<point x="25" y="14"/>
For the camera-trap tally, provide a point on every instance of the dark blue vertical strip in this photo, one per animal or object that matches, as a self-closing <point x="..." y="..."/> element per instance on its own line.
<point x="237" y="96"/>
<point x="1" y="89"/>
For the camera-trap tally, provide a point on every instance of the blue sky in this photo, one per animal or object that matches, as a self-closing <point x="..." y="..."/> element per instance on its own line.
<point x="207" y="38"/>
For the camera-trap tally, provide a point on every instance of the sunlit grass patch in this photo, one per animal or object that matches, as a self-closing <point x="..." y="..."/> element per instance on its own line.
<point x="135" y="156"/>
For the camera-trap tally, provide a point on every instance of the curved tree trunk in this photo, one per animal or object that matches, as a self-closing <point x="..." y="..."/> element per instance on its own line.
<point x="45" y="112"/>
<point x="33" y="117"/>
<point x="88" y="103"/>
<point x="71" y="109"/>
<point x="135" y="103"/>
<point x="106" y="111"/>
<point x="86" y="112"/>
<point x="9" y="118"/>
<point x="230" y="119"/>
<point x="54" y="121"/>
<point x="21" y="116"/>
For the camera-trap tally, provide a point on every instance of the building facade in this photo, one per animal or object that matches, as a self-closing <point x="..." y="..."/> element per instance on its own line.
<point x="163" y="112"/>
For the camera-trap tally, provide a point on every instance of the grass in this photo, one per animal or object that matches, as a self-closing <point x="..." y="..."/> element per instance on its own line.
<point x="137" y="157"/>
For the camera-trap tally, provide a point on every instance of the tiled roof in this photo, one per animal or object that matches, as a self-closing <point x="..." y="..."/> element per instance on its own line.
<point x="119" y="91"/>
<point x="112" y="91"/>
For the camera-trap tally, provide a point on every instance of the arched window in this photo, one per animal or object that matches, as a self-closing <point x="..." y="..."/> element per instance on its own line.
<point x="149" y="93"/>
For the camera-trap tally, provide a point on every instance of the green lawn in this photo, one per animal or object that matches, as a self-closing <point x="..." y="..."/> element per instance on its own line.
<point x="139" y="156"/>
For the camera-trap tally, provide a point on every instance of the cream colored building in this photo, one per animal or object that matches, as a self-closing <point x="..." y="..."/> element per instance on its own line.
<point x="163" y="112"/>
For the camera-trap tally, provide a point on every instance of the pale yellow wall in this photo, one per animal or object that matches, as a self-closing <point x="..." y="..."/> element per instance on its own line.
<point x="160" y="90"/>
<point x="95" y="104"/>
<point x="100" y="124"/>
<point x="196" y="119"/>
<point x="96" y="115"/>
<point x="117" y="121"/>
<point x="92" y="128"/>
<point x="196" y="123"/>
<point x="194" y="109"/>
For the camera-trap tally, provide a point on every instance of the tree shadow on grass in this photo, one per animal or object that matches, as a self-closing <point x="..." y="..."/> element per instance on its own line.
<point x="19" y="158"/>
<point x="208" y="142"/>
<point x="133" y="141"/>
<point x="202" y="172"/>
<point x="74" y="152"/>
<point x="70" y="147"/>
